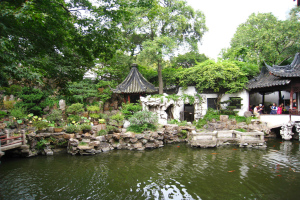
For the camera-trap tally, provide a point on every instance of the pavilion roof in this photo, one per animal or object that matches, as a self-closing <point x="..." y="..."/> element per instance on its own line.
<point x="276" y="75"/>
<point x="135" y="83"/>
<point x="292" y="70"/>
<point x="266" y="79"/>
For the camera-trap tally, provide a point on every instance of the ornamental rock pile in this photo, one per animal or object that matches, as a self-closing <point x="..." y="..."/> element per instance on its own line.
<point x="89" y="145"/>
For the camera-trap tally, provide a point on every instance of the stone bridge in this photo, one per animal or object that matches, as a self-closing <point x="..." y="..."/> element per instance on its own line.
<point x="276" y="121"/>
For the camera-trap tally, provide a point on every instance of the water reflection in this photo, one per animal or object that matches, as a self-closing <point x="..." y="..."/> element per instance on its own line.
<point x="172" y="172"/>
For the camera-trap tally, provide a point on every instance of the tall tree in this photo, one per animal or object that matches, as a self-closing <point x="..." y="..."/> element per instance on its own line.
<point x="168" y="25"/>
<point x="54" y="39"/>
<point x="264" y="38"/>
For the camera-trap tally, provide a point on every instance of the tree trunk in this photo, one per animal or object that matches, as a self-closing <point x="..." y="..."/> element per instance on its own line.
<point x="219" y="97"/>
<point x="160" y="80"/>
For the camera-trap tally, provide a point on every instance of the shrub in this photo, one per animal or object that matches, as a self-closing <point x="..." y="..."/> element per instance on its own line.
<point x="94" y="115"/>
<point x="18" y="113"/>
<point x="143" y="117"/>
<point x="201" y="123"/>
<point x="141" y="128"/>
<point x="41" y="144"/>
<point x="32" y="99"/>
<point x="73" y="118"/>
<point x="110" y="128"/>
<point x="102" y="132"/>
<point x="128" y="109"/>
<point x="212" y="114"/>
<point x="119" y="118"/>
<point x="85" y="127"/>
<point x="75" y="108"/>
<point x="55" y="115"/>
<point x="183" y="134"/>
<point x="40" y="124"/>
<point x="72" y="129"/>
<point x="93" y="108"/>
<point x="2" y="114"/>
<point x="8" y="105"/>
<point x="143" y="120"/>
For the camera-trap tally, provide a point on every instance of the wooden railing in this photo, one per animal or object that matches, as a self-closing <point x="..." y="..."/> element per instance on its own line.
<point x="9" y="141"/>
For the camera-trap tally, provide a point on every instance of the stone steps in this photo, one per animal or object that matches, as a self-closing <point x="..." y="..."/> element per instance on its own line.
<point x="217" y="138"/>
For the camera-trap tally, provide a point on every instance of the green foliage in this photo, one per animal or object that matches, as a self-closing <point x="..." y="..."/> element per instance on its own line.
<point x="189" y="59"/>
<point x="94" y="115"/>
<point x="128" y="109"/>
<point x="141" y="128"/>
<point x="102" y="132"/>
<point x="32" y="100"/>
<point x="93" y="108"/>
<point x="72" y="129"/>
<point x="40" y="124"/>
<point x="201" y="123"/>
<point x="75" y="108"/>
<point x="85" y="127"/>
<point x="82" y="144"/>
<point x="12" y="90"/>
<point x="18" y="113"/>
<point x="143" y="117"/>
<point x="179" y="123"/>
<point x="240" y="119"/>
<point x="41" y="144"/>
<point x="73" y="118"/>
<point x="241" y="130"/>
<point x="264" y="38"/>
<point x="174" y="97"/>
<point x="182" y="134"/>
<point x="111" y="128"/>
<point x="80" y="92"/>
<point x="117" y="119"/>
<point x="212" y="114"/>
<point x="143" y="120"/>
<point x="53" y="40"/>
<point x="189" y="97"/>
<point x="55" y="115"/>
<point x="2" y="114"/>
<point x="8" y="105"/>
<point x="220" y="77"/>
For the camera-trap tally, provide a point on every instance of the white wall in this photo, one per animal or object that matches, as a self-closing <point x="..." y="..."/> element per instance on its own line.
<point x="243" y="94"/>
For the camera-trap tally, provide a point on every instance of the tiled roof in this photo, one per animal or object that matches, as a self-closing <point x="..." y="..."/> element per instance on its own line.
<point x="135" y="83"/>
<point x="292" y="70"/>
<point x="265" y="79"/>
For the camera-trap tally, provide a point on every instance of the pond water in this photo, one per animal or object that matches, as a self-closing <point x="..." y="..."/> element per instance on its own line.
<point x="175" y="171"/>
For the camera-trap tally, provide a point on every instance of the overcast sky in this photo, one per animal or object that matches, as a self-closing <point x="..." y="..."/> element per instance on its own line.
<point x="224" y="16"/>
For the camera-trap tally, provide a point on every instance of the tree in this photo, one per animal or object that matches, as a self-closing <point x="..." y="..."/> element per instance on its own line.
<point x="188" y="59"/>
<point x="168" y="25"/>
<point x="54" y="40"/>
<point x="221" y="77"/>
<point x="264" y="38"/>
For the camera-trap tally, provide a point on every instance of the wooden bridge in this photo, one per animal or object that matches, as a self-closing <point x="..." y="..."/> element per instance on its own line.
<point x="11" y="141"/>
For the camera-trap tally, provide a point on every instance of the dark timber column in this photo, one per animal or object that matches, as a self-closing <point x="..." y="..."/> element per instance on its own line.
<point x="291" y="97"/>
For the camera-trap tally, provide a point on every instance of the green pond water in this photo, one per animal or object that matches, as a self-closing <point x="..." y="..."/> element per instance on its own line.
<point x="175" y="171"/>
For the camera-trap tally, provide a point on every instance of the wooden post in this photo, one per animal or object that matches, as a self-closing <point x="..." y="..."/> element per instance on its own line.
<point x="291" y="102"/>
<point x="23" y="137"/>
<point x="128" y="98"/>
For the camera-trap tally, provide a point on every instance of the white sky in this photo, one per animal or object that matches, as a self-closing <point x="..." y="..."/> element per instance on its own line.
<point x="224" y="16"/>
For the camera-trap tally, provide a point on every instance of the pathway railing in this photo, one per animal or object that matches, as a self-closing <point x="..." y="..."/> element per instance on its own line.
<point x="10" y="141"/>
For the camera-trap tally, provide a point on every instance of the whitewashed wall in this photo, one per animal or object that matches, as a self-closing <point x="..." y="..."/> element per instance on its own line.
<point x="160" y="105"/>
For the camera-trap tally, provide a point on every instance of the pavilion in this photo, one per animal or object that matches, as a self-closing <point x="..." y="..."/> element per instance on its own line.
<point x="278" y="78"/>
<point x="134" y="86"/>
